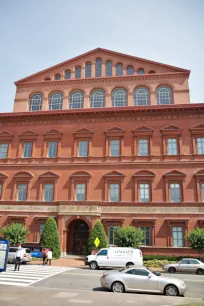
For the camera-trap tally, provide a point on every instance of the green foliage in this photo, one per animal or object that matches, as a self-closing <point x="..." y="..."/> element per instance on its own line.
<point x="98" y="231"/>
<point x="16" y="233"/>
<point x="196" y="240"/>
<point x="156" y="263"/>
<point x="162" y="257"/>
<point x="129" y="236"/>
<point x="50" y="237"/>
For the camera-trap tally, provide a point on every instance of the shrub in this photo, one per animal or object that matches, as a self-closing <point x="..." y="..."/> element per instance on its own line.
<point x="97" y="231"/>
<point x="157" y="263"/>
<point x="196" y="240"/>
<point x="129" y="236"/>
<point x="16" y="233"/>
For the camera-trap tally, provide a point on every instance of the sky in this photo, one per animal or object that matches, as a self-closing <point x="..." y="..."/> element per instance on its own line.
<point x="35" y="35"/>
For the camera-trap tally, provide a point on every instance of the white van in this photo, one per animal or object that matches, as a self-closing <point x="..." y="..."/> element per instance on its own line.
<point x="115" y="257"/>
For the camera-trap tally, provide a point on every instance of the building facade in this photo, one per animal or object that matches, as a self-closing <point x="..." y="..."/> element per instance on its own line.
<point x="104" y="136"/>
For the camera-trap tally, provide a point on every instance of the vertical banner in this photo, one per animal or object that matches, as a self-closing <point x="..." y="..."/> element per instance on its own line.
<point x="4" y="247"/>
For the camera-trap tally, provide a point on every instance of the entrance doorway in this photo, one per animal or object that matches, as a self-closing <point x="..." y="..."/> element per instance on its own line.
<point x="78" y="234"/>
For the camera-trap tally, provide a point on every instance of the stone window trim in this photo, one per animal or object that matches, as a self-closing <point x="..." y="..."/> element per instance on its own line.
<point x="80" y="135"/>
<point x="52" y="135"/>
<point x="48" y="178"/>
<point x="197" y="131"/>
<point x="3" y="177"/>
<point x="115" y="133"/>
<point x="27" y="136"/>
<point x="22" y="177"/>
<point x="173" y="177"/>
<point x="6" y="138"/>
<point x="142" y="177"/>
<point x="17" y="219"/>
<point x="138" y="222"/>
<point x="112" y="221"/>
<point x="200" y="222"/>
<point x="79" y="177"/>
<point x="199" y="178"/>
<point x="176" y="222"/>
<point x="142" y="132"/>
<point x="171" y="131"/>
<point x="113" y="177"/>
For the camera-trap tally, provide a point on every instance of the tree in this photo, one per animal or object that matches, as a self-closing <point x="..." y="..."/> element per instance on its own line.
<point x="196" y="240"/>
<point x="98" y="231"/>
<point x="16" y="233"/>
<point x="129" y="236"/>
<point x="50" y="237"/>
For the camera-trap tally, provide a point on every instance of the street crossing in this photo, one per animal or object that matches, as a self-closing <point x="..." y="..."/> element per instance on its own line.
<point x="29" y="274"/>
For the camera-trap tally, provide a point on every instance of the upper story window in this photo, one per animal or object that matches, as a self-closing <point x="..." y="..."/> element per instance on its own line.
<point x="57" y="77"/>
<point x="3" y="150"/>
<point x="1" y="188"/>
<point x="98" y="67"/>
<point x="77" y="100"/>
<point x="143" y="147"/>
<point x="172" y="146"/>
<point x="144" y="192"/>
<point x="200" y="145"/>
<point x="140" y="71"/>
<point x="141" y="96"/>
<point x="151" y="72"/>
<point x="115" y="147"/>
<point x="80" y="192"/>
<point x="202" y="191"/>
<point x="48" y="192"/>
<point x="114" y="192"/>
<point x="119" y="69"/>
<point x="35" y="103"/>
<point x="27" y="149"/>
<point x="68" y="75"/>
<point x="22" y="192"/>
<point x="119" y="97"/>
<point x="129" y="70"/>
<point x="175" y="192"/>
<point x="108" y="68"/>
<point x="164" y="95"/>
<point x="78" y="72"/>
<point x="83" y="148"/>
<point x="97" y="98"/>
<point x="52" y="149"/>
<point x="88" y="70"/>
<point x="55" y="101"/>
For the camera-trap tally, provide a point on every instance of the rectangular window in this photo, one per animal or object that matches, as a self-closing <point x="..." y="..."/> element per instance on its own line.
<point x="143" y="147"/>
<point x="114" y="193"/>
<point x="115" y="147"/>
<point x="80" y="192"/>
<point x="172" y="146"/>
<point x="1" y="187"/>
<point x="177" y="233"/>
<point x="147" y="235"/>
<point x="3" y="150"/>
<point x="175" y="192"/>
<point x="200" y="145"/>
<point x="41" y="228"/>
<point x="111" y="234"/>
<point x="144" y="193"/>
<point x="22" y="192"/>
<point x="202" y="191"/>
<point x="83" y="148"/>
<point x="27" y="149"/>
<point x="52" y="149"/>
<point x="48" y="192"/>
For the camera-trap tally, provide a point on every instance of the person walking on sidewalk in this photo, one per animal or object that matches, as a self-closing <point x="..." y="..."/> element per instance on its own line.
<point x="49" y="257"/>
<point x="44" y="255"/>
<point x="18" y="257"/>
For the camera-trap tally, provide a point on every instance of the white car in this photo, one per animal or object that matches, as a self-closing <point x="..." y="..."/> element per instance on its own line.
<point x="11" y="255"/>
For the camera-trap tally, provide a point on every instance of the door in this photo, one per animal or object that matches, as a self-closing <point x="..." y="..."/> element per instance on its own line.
<point x="102" y="258"/>
<point x="193" y="265"/>
<point x="183" y="265"/>
<point x="138" y="279"/>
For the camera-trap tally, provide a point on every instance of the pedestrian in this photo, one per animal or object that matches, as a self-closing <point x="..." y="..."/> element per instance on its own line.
<point x="49" y="257"/>
<point x="44" y="256"/>
<point x="18" y="257"/>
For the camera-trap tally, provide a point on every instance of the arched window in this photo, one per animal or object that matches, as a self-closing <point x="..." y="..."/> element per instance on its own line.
<point x="119" y="97"/>
<point x="55" y="101"/>
<point x="108" y="68"/>
<point x="141" y="96"/>
<point x="76" y="100"/>
<point x="129" y="70"/>
<point x="164" y="95"/>
<point x="140" y="71"/>
<point x="98" y="98"/>
<point x="88" y="70"/>
<point x="68" y="75"/>
<point x="98" y="67"/>
<point x="35" y="103"/>
<point x="151" y="72"/>
<point x="57" y="77"/>
<point x="47" y="79"/>
<point x="78" y="72"/>
<point x="119" y="69"/>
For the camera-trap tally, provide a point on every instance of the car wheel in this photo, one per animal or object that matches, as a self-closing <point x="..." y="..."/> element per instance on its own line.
<point x="129" y="264"/>
<point x="117" y="287"/>
<point x="200" y="271"/>
<point x="172" y="270"/>
<point x="93" y="265"/>
<point x="171" y="290"/>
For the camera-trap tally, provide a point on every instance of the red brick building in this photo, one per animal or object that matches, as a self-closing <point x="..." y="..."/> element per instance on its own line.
<point x="104" y="136"/>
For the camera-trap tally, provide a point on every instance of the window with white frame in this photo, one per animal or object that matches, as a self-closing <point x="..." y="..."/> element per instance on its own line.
<point x="175" y="192"/>
<point x="97" y="99"/>
<point x="48" y="192"/>
<point x="108" y="68"/>
<point x="55" y="101"/>
<point x="200" y="145"/>
<point x="111" y="234"/>
<point x="52" y="149"/>
<point x="202" y="191"/>
<point x="77" y="100"/>
<point x="119" y="97"/>
<point x="27" y="149"/>
<point x="147" y="235"/>
<point x="22" y="192"/>
<point x="68" y="75"/>
<point x="114" y="192"/>
<point x="83" y="148"/>
<point x="80" y="192"/>
<point x="172" y="146"/>
<point x="115" y="147"/>
<point x="129" y="70"/>
<point x="177" y="235"/>
<point x="98" y="67"/>
<point x="35" y="103"/>
<point x="119" y="69"/>
<point x="144" y="192"/>
<point x="141" y="96"/>
<point x="3" y="150"/>
<point x="164" y="95"/>
<point x="78" y="72"/>
<point x="143" y="147"/>
<point x="88" y="68"/>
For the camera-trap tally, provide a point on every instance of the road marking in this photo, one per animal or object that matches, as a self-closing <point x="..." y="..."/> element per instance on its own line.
<point x="81" y="274"/>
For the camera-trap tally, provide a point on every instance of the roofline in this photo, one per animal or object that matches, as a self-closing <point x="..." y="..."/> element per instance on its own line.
<point x="103" y="50"/>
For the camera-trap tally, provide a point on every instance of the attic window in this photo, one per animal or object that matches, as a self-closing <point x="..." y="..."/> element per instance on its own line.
<point x="78" y="72"/>
<point x="151" y="71"/>
<point x="129" y="70"/>
<point x="68" y="75"/>
<point x="57" y="77"/>
<point x="47" y="79"/>
<point x="140" y="71"/>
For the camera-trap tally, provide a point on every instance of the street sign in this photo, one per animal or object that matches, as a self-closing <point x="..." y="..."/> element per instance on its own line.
<point x="4" y="247"/>
<point x="97" y="242"/>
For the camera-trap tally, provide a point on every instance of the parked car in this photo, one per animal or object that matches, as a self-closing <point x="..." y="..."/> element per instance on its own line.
<point x="35" y="251"/>
<point x="115" y="257"/>
<point x="140" y="279"/>
<point x="186" y="265"/>
<point x="11" y="255"/>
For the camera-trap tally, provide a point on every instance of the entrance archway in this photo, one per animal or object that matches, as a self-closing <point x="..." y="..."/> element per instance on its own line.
<point x="78" y="234"/>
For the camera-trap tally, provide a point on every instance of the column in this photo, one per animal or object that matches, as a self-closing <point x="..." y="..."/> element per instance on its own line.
<point x="180" y="145"/>
<point x="108" y="100"/>
<point x="166" y="190"/>
<point x="121" y="146"/>
<point x="60" y="221"/>
<point x="130" y="98"/>
<point x="135" y="190"/>
<point x="153" y="235"/>
<point x="198" y="193"/>
<point x="153" y="98"/>
<point x="45" y="103"/>
<point x="185" y="232"/>
<point x="86" y="101"/>
<point x="83" y="71"/>
<point x="105" y="190"/>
